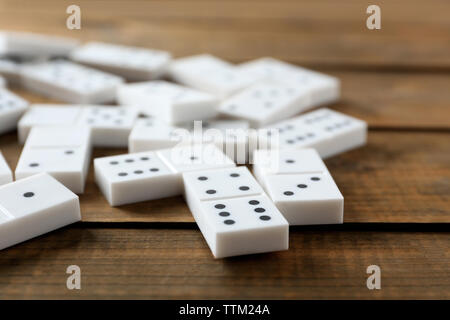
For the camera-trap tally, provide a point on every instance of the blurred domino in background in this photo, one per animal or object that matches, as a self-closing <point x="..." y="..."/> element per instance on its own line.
<point x="324" y="89"/>
<point x="12" y="107"/>
<point x="132" y="63"/>
<point x="328" y="131"/>
<point x="168" y="102"/>
<point x="70" y="82"/>
<point x="28" y="45"/>
<point x="211" y="74"/>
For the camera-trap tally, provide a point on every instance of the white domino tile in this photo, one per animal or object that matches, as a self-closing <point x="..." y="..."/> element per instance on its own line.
<point x="233" y="213"/>
<point x="135" y="177"/>
<point x="210" y="74"/>
<point x="47" y="115"/>
<point x="231" y="136"/>
<point x="110" y="125"/>
<point x="143" y="176"/>
<point x="132" y="63"/>
<point x="70" y="82"/>
<point x="329" y="132"/>
<point x="195" y="157"/>
<point x="5" y="171"/>
<point x="323" y="89"/>
<point x="63" y="152"/>
<point x="12" y="107"/>
<point x="168" y="102"/>
<point x="266" y="102"/>
<point x="34" y="206"/>
<point x="300" y="185"/>
<point x="27" y="45"/>
<point x="150" y="134"/>
<point x="9" y="70"/>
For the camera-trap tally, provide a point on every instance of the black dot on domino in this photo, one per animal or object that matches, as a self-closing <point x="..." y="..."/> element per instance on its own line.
<point x="224" y="214"/>
<point x="114" y="162"/>
<point x="28" y="194"/>
<point x="138" y="171"/>
<point x="259" y="210"/>
<point x="122" y="174"/>
<point x="144" y="158"/>
<point x="253" y="202"/>
<point x="154" y="169"/>
<point x="34" y="164"/>
<point x="129" y="160"/>
<point x="302" y="186"/>
<point x="234" y="175"/>
<point x="210" y="191"/>
<point x="290" y="161"/>
<point x="69" y="152"/>
<point x="288" y="193"/>
<point x="202" y="178"/>
<point x="229" y="222"/>
<point x="219" y="206"/>
<point x="264" y="218"/>
<point x="315" y="179"/>
<point x="244" y="188"/>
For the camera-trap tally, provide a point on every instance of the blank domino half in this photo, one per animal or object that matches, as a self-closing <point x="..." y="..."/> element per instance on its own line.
<point x="33" y="206"/>
<point x="233" y="213"/>
<point x="300" y="185"/>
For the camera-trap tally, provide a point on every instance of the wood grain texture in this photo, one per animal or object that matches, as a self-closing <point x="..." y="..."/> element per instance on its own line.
<point x="397" y="177"/>
<point x="395" y="78"/>
<point x="413" y="34"/>
<point x="177" y="264"/>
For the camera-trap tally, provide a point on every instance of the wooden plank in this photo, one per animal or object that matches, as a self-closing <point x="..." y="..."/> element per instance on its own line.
<point x="384" y="100"/>
<point x="413" y="33"/>
<point x="177" y="264"/>
<point x="397" y="177"/>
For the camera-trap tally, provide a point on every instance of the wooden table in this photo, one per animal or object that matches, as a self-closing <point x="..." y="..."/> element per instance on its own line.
<point x="397" y="188"/>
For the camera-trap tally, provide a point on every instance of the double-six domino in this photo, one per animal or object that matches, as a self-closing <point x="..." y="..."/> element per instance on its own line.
<point x="233" y="213"/>
<point x="143" y="176"/>
<point x="300" y="185"/>
<point x="63" y="152"/>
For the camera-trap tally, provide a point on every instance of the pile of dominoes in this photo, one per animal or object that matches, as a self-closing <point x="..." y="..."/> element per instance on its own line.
<point x="187" y="123"/>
